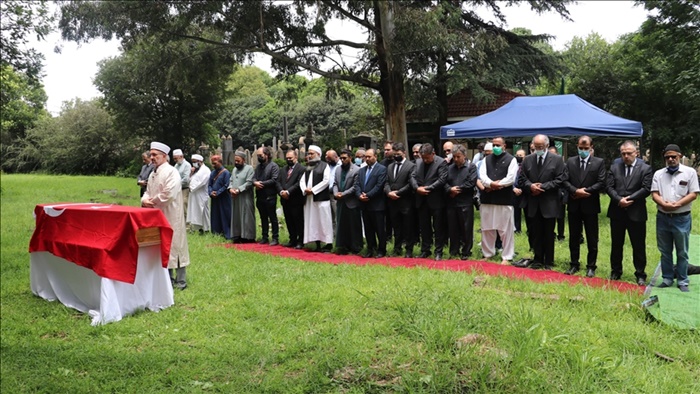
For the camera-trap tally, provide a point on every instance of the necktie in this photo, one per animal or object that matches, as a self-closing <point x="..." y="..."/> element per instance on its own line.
<point x="583" y="165"/>
<point x="397" y="169"/>
<point x="539" y="162"/>
<point x="369" y="171"/>
<point x="289" y="172"/>
<point x="629" y="171"/>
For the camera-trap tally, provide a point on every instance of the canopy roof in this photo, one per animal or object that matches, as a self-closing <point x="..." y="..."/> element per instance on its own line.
<point x="562" y="115"/>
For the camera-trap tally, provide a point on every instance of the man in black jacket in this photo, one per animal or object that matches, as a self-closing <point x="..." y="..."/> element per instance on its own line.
<point x="292" y="199"/>
<point x="401" y="201"/>
<point x="459" y="190"/>
<point x="428" y="181"/>
<point x="265" y="182"/>
<point x="585" y="183"/>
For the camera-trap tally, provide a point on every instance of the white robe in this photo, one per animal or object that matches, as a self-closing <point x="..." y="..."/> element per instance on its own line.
<point x="318" y="221"/>
<point x="198" y="207"/>
<point x="164" y="187"/>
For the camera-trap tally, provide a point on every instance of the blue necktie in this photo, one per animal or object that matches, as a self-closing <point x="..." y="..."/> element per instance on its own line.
<point x="369" y="171"/>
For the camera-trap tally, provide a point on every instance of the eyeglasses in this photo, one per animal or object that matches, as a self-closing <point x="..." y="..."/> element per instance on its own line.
<point x="344" y="158"/>
<point x="448" y="150"/>
<point x="674" y="157"/>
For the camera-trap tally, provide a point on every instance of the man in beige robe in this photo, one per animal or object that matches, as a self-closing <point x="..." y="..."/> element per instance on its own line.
<point x="163" y="192"/>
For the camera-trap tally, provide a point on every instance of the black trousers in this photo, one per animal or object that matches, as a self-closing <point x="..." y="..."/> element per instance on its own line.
<point x="460" y="227"/>
<point x="294" y="216"/>
<point x="349" y="228"/>
<point x="542" y="233"/>
<point x="638" y="233"/>
<point x="403" y="221"/>
<point x="560" y="221"/>
<point x="432" y="221"/>
<point x="577" y="222"/>
<point x="267" y="208"/>
<point x="375" y="230"/>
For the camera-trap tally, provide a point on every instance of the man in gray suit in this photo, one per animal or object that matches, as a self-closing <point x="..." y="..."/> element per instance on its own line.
<point x="401" y="201"/>
<point x="544" y="174"/>
<point x="428" y="181"/>
<point x="348" y="215"/>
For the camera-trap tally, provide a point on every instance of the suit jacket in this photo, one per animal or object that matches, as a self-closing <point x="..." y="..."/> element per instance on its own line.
<point x="401" y="184"/>
<point x="434" y="179"/>
<point x="374" y="187"/>
<point x="349" y="198"/>
<point x="636" y="187"/>
<point x="268" y="175"/>
<point x="291" y="184"/>
<point x="464" y="177"/>
<point x="593" y="180"/>
<point x="552" y="176"/>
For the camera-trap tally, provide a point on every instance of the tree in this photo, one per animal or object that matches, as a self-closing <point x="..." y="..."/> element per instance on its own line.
<point x="294" y="35"/>
<point x="166" y="90"/>
<point x="19" y="20"/>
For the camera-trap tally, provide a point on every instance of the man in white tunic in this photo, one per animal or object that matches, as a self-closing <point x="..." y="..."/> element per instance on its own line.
<point x="318" y="222"/>
<point x="198" y="207"/>
<point x="163" y="192"/>
<point x="184" y="168"/>
<point x="497" y="174"/>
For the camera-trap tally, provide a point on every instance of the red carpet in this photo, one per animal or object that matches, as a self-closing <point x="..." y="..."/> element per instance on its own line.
<point x="454" y="265"/>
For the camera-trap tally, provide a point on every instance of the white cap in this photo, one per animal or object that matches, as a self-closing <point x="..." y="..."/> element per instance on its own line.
<point x="315" y="149"/>
<point x="197" y="157"/>
<point x="160" y="146"/>
<point x="177" y="152"/>
<point x="488" y="146"/>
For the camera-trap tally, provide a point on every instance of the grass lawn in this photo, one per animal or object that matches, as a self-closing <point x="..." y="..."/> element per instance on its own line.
<point x="250" y="323"/>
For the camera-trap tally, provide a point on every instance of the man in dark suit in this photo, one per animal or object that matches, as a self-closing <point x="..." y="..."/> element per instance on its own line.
<point x="628" y="185"/>
<point x="401" y="201"/>
<point x="292" y="199"/>
<point x="459" y="190"/>
<point x="543" y="175"/>
<point x="369" y="189"/>
<point x="265" y="182"/>
<point x="348" y="216"/>
<point x="428" y="181"/>
<point x="585" y="183"/>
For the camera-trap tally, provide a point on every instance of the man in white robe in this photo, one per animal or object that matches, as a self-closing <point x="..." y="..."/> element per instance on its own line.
<point x="198" y="207"/>
<point x="497" y="174"/>
<point x="163" y="192"/>
<point x="184" y="168"/>
<point x="318" y="222"/>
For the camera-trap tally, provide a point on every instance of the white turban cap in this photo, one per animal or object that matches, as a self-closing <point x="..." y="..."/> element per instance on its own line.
<point x="160" y="146"/>
<point x="315" y="149"/>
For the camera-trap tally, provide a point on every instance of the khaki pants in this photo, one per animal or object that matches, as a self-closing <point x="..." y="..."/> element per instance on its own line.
<point x="185" y="198"/>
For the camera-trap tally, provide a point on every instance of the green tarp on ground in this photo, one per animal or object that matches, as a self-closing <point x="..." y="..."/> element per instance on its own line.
<point x="675" y="308"/>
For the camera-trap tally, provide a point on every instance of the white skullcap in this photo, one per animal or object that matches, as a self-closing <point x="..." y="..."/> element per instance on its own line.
<point x="315" y="149"/>
<point x="160" y="146"/>
<point x="177" y="152"/>
<point x="488" y="146"/>
<point x="197" y="157"/>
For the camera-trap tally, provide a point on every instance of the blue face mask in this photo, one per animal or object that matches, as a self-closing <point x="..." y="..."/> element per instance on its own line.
<point x="358" y="161"/>
<point x="583" y="153"/>
<point x="672" y="170"/>
<point x="539" y="153"/>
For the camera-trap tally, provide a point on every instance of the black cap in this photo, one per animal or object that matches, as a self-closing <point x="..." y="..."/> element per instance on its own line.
<point x="672" y="147"/>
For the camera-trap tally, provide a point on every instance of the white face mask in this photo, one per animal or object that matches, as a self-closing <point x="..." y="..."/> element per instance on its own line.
<point x="540" y="153"/>
<point x="195" y="165"/>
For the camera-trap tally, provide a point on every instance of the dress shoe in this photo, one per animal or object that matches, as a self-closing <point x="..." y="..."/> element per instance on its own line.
<point x="590" y="273"/>
<point x="341" y="251"/>
<point x="327" y="247"/>
<point x="535" y="265"/>
<point x="615" y="276"/>
<point x="641" y="282"/>
<point x="368" y="255"/>
<point x="424" y="255"/>
<point x="380" y="255"/>
<point x="548" y="267"/>
<point x="560" y="237"/>
<point x="274" y="242"/>
<point x="683" y="288"/>
<point x="263" y="241"/>
<point x="409" y="255"/>
<point x="465" y="257"/>
<point x="438" y="256"/>
<point x="289" y="245"/>
<point x="522" y="263"/>
<point x="663" y="285"/>
<point x="572" y="270"/>
<point x="397" y="252"/>
<point x="298" y="246"/>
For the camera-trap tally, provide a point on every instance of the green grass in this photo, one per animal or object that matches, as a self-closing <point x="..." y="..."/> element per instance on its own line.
<point x="250" y="323"/>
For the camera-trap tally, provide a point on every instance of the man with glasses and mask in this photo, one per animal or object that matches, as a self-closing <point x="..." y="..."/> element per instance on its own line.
<point x="348" y="236"/>
<point x="401" y="201"/>
<point x="674" y="189"/>
<point x="292" y="199"/>
<point x="628" y="185"/>
<point x="265" y="183"/>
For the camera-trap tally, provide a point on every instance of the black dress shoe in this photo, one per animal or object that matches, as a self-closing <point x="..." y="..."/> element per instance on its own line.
<point x="615" y="276"/>
<point x="535" y="265"/>
<point x="438" y="256"/>
<point x="641" y="282"/>
<point x="424" y="255"/>
<point x="409" y="255"/>
<point x="548" y="267"/>
<point x="572" y="270"/>
<point x="263" y="241"/>
<point x="289" y="245"/>
<point x="298" y="246"/>
<point x="590" y="273"/>
<point x="274" y="242"/>
<point x="465" y="257"/>
<point x="368" y="255"/>
<point x="380" y="255"/>
<point x="522" y="263"/>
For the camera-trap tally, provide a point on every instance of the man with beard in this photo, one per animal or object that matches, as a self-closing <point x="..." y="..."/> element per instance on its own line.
<point x="349" y="222"/>
<point x="241" y="191"/>
<point x="332" y="161"/>
<point x="265" y="183"/>
<point x="318" y="223"/>
<point x="401" y="205"/>
<point x="184" y="169"/>
<point x="198" y="207"/>
<point x="459" y="187"/>
<point x="369" y="189"/>
<point x="220" y="199"/>
<point x="428" y="181"/>
<point x="146" y="169"/>
<point x="292" y="199"/>
<point x="163" y="192"/>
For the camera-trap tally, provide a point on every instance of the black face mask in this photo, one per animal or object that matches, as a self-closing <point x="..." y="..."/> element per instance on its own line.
<point x="518" y="159"/>
<point x="261" y="159"/>
<point x="240" y="166"/>
<point x="398" y="159"/>
<point x="290" y="163"/>
<point x="332" y="162"/>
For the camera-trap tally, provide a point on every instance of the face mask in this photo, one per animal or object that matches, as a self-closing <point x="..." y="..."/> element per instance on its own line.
<point x="518" y="159"/>
<point x="331" y="162"/>
<point x="290" y="163"/>
<point x="539" y="153"/>
<point x="358" y="161"/>
<point x="240" y="166"/>
<point x="398" y="159"/>
<point x="497" y="150"/>
<point x="672" y="170"/>
<point x="261" y="159"/>
<point x="195" y="165"/>
<point x="583" y="153"/>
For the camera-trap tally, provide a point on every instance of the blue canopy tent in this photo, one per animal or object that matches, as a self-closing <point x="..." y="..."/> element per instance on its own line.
<point x="556" y="116"/>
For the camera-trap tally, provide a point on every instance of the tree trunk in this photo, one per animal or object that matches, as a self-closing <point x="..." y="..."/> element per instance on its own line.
<point x="391" y="74"/>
